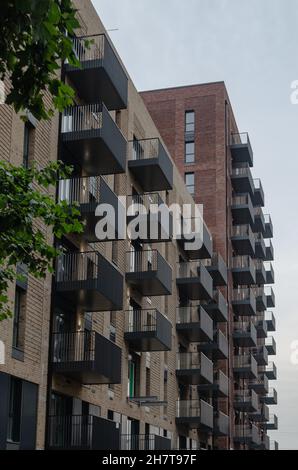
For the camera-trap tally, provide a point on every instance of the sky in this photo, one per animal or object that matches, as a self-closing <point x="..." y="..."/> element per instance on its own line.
<point x="252" y="46"/>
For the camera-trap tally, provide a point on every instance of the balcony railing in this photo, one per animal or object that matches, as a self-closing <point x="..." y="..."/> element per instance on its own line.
<point x="87" y="117"/>
<point x="196" y="413"/>
<point x="270" y="320"/>
<point x="259" y="384"/>
<point x="244" y="270"/>
<point x="217" y="268"/>
<point x="270" y="296"/>
<point x="194" y="323"/>
<point x="241" y="148"/>
<point x="144" y="442"/>
<point x="243" y="240"/>
<point x="270" y="276"/>
<point x="246" y="400"/>
<point x="270" y="344"/>
<point x="259" y="198"/>
<point x="247" y="434"/>
<point x="242" y="180"/>
<point x="244" y="301"/>
<point x="245" y="366"/>
<point x="245" y="334"/>
<point x="194" y="368"/>
<point x="268" y="226"/>
<point x="194" y="281"/>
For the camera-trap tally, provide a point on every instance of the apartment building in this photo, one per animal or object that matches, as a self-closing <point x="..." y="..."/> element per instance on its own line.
<point x="215" y="159"/>
<point x="141" y="343"/>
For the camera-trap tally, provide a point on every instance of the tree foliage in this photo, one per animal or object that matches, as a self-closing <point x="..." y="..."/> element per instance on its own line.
<point x="26" y="205"/>
<point x="35" y="38"/>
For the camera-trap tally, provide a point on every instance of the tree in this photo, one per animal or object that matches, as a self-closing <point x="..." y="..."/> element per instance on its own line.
<point x="35" y="39"/>
<point x="24" y="200"/>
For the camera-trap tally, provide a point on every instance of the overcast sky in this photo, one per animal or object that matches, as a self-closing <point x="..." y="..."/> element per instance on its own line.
<point x="252" y="46"/>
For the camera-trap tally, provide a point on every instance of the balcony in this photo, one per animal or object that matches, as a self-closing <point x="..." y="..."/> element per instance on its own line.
<point x="261" y="326"/>
<point x="242" y="181"/>
<point x="88" y="193"/>
<point x="244" y="334"/>
<point x="261" y="415"/>
<point x="217" y="308"/>
<point x="247" y="435"/>
<point x="82" y="432"/>
<point x="258" y="197"/>
<point x="260" y="250"/>
<point x="244" y="302"/>
<point x="87" y="280"/>
<point x="245" y="367"/>
<point x="270" y="320"/>
<point x="101" y="76"/>
<point x="149" y="218"/>
<point x="194" y="230"/>
<point x="242" y="210"/>
<point x="273" y="445"/>
<point x="194" y="368"/>
<point x="268" y="233"/>
<point x="149" y="273"/>
<point x="147" y="330"/>
<point x="259" y="225"/>
<point x="220" y="387"/>
<point x="218" y="270"/>
<point x="146" y="442"/>
<point x="260" y="272"/>
<point x="270" y="371"/>
<point x="195" y="414"/>
<point x="194" y="324"/>
<point x="150" y="164"/>
<point x="86" y="357"/>
<point x="265" y="442"/>
<point x="194" y="282"/>
<point x="260" y="384"/>
<point x="270" y="276"/>
<point x="270" y="345"/>
<point x="261" y="300"/>
<point x="93" y="139"/>
<point x="243" y="270"/>
<point x="243" y="240"/>
<point x="246" y="401"/>
<point x="270" y="398"/>
<point x="260" y="354"/>
<point x="269" y="256"/>
<point x="270" y="296"/>
<point x="221" y="424"/>
<point x="219" y="347"/>
<point x="241" y="148"/>
<point x="272" y="424"/>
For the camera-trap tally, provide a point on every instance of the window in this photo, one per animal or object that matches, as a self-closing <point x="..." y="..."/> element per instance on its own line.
<point x="27" y="142"/>
<point x="189" y="152"/>
<point x="15" y="403"/>
<point x="190" y="182"/>
<point x="148" y="381"/>
<point x="189" y="121"/>
<point x="18" y="319"/>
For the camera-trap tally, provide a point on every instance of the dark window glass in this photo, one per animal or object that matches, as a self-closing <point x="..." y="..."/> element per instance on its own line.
<point x="27" y="142"/>
<point x="189" y="121"/>
<point x="15" y="403"/>
<point x="190" y="182"/>
<point x="189" y="152"/>
<point x="18" y="320"/>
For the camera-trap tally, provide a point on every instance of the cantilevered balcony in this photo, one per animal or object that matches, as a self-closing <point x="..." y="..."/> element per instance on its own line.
<point x="88" y="193"/>
<point x="194" y="368"/>
<point x="87" y="280"/>
<point x="194" y="324"/>
<point x="195" y="414"/>
<point x="261" y="300"/>
<point x="260" y="354"/>
<point x="218" y="307"/>
<point x="246" y="400"/>
<point x="270" y="371"/>
<point x="241" y="148"/>
<point x="194" y="237"/>
<point x="261" y="326"/>
<point x="219" y="347"/>
<point x="272" y="424"/>
<point x="245" y="366"/>
<point x="221" y="424"/>
<point x="260" y="246"/>
<point x="258" y="197"/>
<point x="82" y="432"/>
<point x="218" y="270"/>
<point x="247" y="435"/>
<point x="261" y="276"/>
<point x="269" y="256"/>
<point x="244" y="334"/>
<point x="242" y="210"/>
<point x="243" y="240"/>
<point x="149" y="218"/>
<point x="273" y="445"/>
<point x="193" y="281"/>
<point x="268" y="233"/>
<point x="259" y="225"/>
<point x="243" y="270"/>
<point x="270" y="345"/>
<point x="242" y="181"/>
<point x="147" y="442"/>
<point x="270" y="320"/>
<point x="270" y="276"/>
<point x="270" y="296"/>
<point x="261" y="415"/>
<point x="270" y="398"/>
<point x="148" y="272"/>
<point x="244" y="302"/>
<point x="93" y="139"/>
<point x="150" y="164"/>
<point x="147" y="330"/>
<point x="265" y="442"/>
<point x="86" y="357"/>
<point x="219" y="388"/>
<point x="260" y="384"/>
<point x="101" y="77"/>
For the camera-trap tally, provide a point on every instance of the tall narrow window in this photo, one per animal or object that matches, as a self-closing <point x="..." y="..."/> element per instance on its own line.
<point x="190" y="182"/>
<point x="189" y="152"/>
<point x="148" y="381"/>
<point x="18" y="319"/>
<point x="27" y="143"/>
<point x="15" y="403"/>
<point x="189" y="121"/>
